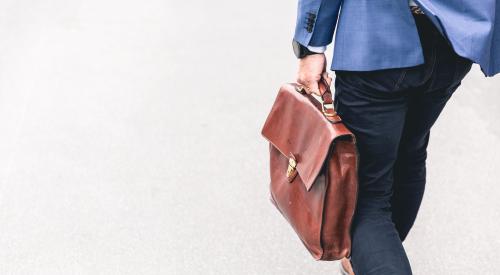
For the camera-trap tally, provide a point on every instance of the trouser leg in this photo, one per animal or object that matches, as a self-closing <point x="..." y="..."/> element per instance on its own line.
<point x="392" y="129"/>
<point x="391" y="113"/>
<point x="429" y="91"/>
<point x="410" y="168"/>
<point x="376" y="116"/>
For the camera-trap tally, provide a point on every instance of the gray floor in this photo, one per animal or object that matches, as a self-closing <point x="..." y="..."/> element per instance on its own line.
<point x="131" y="145"/>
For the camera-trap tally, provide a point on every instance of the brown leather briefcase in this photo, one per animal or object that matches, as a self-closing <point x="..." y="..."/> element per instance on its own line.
<point x="313" y="170"/>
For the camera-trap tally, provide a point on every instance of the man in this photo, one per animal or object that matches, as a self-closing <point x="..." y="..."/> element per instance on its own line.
<point x="397" y="63"/>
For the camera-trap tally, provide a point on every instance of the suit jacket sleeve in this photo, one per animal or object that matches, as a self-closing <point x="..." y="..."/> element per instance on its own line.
<point x="316" y="21"/>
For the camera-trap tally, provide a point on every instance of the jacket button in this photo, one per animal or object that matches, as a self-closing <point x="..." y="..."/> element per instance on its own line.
<point x="310" y="14"/>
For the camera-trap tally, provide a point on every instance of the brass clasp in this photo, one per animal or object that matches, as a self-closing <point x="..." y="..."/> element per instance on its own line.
<point x="291" y="171"/>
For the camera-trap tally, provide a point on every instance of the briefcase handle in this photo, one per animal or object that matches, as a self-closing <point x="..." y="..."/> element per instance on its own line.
<point x="326" y="100"/>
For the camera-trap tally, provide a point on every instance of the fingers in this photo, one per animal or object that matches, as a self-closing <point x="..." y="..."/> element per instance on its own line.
<point x="315" y="86"/>
<point x="311" y="86"/>
<point x="311" y="69"/>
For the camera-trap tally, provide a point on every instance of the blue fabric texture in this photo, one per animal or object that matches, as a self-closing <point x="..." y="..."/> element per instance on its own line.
<point x="373" y="35"/>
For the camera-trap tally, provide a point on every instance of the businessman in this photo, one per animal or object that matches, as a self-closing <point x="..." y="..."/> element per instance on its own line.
<point x="397" y="63"/>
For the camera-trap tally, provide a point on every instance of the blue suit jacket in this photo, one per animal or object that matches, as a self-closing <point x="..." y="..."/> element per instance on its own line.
<point x="381" y="34"/>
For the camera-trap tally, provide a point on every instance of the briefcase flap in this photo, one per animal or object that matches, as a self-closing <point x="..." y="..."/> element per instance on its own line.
<point x="297" y="127"/>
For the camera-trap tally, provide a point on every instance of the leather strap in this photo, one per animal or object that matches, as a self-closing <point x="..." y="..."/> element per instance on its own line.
<point x="327" y="94"/>
<point x="326" y="100"/>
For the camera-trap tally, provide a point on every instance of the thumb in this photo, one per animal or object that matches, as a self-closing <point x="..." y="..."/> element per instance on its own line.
<point x="314" y="88"/>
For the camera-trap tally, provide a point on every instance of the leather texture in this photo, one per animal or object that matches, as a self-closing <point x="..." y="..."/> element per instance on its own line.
<point x="319" y="200"/>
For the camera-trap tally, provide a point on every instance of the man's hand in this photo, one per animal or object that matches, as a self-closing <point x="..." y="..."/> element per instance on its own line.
<point x="311" y="69"/>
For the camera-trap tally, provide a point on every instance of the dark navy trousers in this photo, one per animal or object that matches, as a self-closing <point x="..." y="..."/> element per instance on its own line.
<point x="391" y="113"/>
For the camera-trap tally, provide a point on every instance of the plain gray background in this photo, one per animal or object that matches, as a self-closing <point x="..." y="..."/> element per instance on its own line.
<point x="130" y="144"/>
